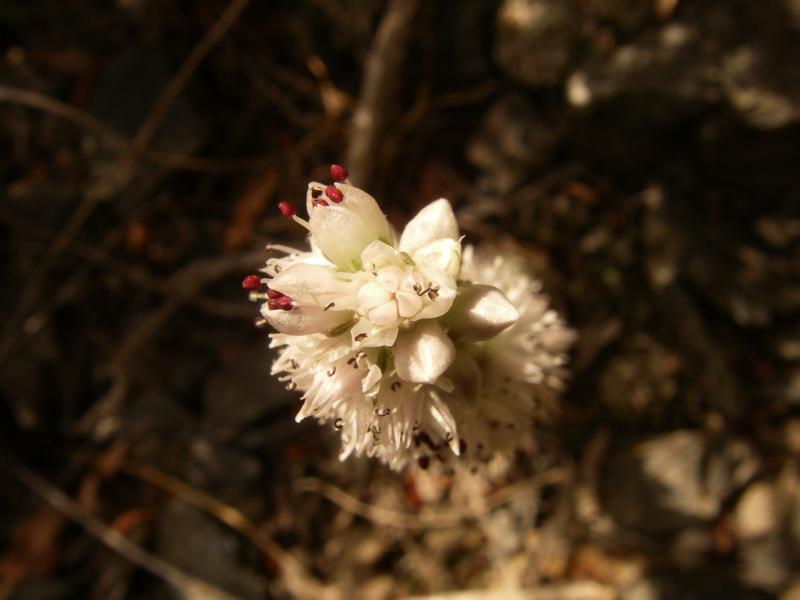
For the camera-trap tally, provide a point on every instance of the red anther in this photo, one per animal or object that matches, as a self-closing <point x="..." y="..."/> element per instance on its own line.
<point x="284" y="303"/>
<point x="272" y="304"/>
<point x="334" y="194"/>
<point x="319" y="202"/>
<point x="286" y="208"/>
<point x="339" y="173"/>
<point x="251" y="282"/>
<point x="272" y="294"/>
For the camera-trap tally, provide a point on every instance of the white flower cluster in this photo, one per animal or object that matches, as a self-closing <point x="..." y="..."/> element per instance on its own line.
<point x="402" y="343"/>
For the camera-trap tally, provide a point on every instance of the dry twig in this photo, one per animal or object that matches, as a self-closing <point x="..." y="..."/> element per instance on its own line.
<point x="299" y="582"/>
<point x="438" y="520"/>
<point x="381" y="76"/>
<point x="78" y="218"/>
<point x="188" y="586"/>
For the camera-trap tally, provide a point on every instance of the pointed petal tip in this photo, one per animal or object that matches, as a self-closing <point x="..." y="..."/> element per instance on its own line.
<point x="423" y="353"/>
<point x="435" y="221"/>
<point x="480" y="312"/>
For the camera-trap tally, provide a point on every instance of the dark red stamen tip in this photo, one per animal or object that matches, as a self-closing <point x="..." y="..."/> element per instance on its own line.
<point x="286" y="208"/>
<point x="334" y="194"/>
<point x="339" y="173"/>
<point x="280" y="303"/>
<point x="251" y="282"/>
<point x="319" y="202"/>
<point x="284" y="303"/>
<point x="272" y="294"/>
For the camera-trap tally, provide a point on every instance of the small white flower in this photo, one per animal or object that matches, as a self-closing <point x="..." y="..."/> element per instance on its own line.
<point x="404" y="347"/>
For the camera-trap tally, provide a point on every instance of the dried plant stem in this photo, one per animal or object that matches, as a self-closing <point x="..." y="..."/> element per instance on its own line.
<point x="174" y="88"/>
<point x="440" y="520"/>
<point x="381" y="76"/>
<point x="80" y="216"/>
<point x="298" y="581"/>
<point x="188" y="586"/>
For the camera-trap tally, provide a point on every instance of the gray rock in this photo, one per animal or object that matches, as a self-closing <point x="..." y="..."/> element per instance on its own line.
<point x="675" y="480"/>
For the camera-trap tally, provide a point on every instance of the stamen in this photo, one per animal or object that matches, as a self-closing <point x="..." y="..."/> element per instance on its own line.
<point x="251" y="282"/>
<point x="338" y="423"/>
<point x="281" y="303"/>
<point x="292" y="386"/>
<point x="331" y="305"/>
<point x="286" y="208"/>
<point x="360" y="337"/>
<point x="339" y="173"/>
<point x="382" y="412"/>
<point x="261" y="323"/>
<point x="426" y="439"/>
<point x="282" y="248"/>
<point x="334" y="194"/>
<point x="274" y="294"/>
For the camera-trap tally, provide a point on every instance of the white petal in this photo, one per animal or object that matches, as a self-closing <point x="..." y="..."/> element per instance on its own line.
<point x="443" y="254"/>
<point x="389" y="278"/>
<point x="366" y="334"/>
<point x="385" y="314"/>
<point x="444" y="419"/>
<point x="361" y="202"/>
<point x="479" y="313"/>
<point x="434" y="222"/>
<point x="379" y="254"/>
<point x="444" y="297"/>
<point x="340" y="234"/>
<point x="342" y="231"/>
<point x="303" y="320"/>
<point x="423" y="353"/>
<point x="312" y="284"/>
<point x="373" y="294"/>
<point x="408" y="304"/>
<point x="372" y="378"/>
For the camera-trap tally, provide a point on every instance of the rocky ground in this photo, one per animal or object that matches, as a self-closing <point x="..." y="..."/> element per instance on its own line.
<point x="643" y="155"/>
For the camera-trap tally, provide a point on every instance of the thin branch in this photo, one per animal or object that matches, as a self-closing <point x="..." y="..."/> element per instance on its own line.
<point x="439" y="520"/>
<point x="115" y="139"/>
<point x="80" y="216"/>
<point x="188" y="586"/>
<point x="184" y="74"/>
<point x="182" y="287"/>
<point x="381" y="76"/>
<point x="299" y="582"/>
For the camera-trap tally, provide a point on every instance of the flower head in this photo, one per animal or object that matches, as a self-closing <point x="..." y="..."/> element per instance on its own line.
<point x="409" y="348"/>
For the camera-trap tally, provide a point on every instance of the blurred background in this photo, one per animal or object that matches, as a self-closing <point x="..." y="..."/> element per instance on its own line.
<point x="642" y="154"/>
